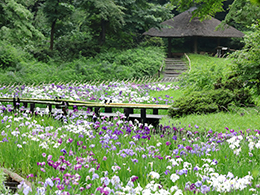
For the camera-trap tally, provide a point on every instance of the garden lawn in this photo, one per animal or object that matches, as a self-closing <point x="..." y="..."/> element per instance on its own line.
<point x="249" y="119"/>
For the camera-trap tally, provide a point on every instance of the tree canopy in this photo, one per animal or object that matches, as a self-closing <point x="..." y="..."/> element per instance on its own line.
<point x="68" y="29"/>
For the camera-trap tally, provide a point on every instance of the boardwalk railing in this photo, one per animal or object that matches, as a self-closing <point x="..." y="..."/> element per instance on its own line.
<point x="93" y="108"/>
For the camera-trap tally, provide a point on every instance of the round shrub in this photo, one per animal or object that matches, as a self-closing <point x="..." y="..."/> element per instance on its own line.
<point x="214" y="100"/>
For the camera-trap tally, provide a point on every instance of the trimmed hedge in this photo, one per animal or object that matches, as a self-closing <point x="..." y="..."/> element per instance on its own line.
<point x="209" y="101"/>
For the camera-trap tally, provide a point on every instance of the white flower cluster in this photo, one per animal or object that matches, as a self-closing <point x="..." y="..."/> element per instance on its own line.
<point x="234" y="143"/>
<point x="227" y="183"/>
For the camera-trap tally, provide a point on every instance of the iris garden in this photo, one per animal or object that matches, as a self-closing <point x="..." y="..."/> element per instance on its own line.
<point x="75" y="154"/>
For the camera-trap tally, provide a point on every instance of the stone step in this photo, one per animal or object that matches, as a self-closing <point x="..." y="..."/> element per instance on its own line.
<point x="172" y="73"/>
<point x="175" y="65"/>
<point x="173" y="61"/>
<point x="175" y="68"/>
<point x="168" y="71"/>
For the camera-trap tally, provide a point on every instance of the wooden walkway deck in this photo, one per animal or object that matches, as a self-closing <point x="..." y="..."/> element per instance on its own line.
<point x="62" y="106"/>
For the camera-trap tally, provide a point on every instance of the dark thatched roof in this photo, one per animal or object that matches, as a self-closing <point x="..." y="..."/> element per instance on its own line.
<point x="181" y="26"/>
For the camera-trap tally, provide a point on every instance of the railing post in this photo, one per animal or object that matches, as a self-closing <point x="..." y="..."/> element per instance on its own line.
<point x="127" y="112"/>
<point x="32" y="107"/>
<point x="155" y="111"/>
<point x="96" y="111"/>
<point x="50" y="108"/>
<point x="25" y="104"/>
<point x="143" y="115"/>
<point x="131" y="110"/>
<point x="108" y="110"/>
<point x="64" y="108"/>
<point x="18" y="105"/>
<point x="14" y="103"/>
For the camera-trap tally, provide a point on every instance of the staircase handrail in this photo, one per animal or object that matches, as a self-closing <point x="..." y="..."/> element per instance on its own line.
<point x="188" y="60"/>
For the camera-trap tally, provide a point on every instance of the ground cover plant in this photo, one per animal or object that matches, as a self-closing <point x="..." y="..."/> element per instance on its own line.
<point x="80" y="156"/>
<point x="205" y="71"/>
<point x="20" y="67"/>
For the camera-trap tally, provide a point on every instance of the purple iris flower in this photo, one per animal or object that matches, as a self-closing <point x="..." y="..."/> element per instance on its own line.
<point x="167" y="172"/>
<point x="5" y="139"/>
<point x="198" y="183"/>
<point x="204" y="189"/>
<point x="188" y="148"/>
<point x="95" y="176"/>
<point x="133" y="179"/>
<point x="134" y="160"/>
<point x="192" y="187"/>
<point x="176" y="151"/>
<point x="64" y="151"/>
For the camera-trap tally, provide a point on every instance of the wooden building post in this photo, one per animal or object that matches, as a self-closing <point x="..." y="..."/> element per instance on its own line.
<point x="195" y="44"/>
<point x="169" y="47"/>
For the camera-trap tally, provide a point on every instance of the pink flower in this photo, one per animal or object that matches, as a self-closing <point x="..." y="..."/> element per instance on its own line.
<point x="104" y="158"/>
<point x="49" y="157"/>
<point x="69" y="140"/>
<point x="168" y="143"/>
<point x="30" y="175"/>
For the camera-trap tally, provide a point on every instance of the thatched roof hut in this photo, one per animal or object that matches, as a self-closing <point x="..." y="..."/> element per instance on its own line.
<point x="182" y="26"/>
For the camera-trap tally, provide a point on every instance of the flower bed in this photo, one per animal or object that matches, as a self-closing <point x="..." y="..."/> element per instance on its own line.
<point x="118" y="92"/>
<point x="79" y="156"/>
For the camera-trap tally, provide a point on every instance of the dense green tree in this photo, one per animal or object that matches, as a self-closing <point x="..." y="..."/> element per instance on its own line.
<point x="56" y="10"/>
<point x="242" y="12"/>
<point x="142" y="15"/>
<point x="16" y="23"/>
<point x="257" y="2"/>
<point x="103" y="14"/>
<point x="205" y="9"/>
<point x="139" y="16"/>
<point x="122" y="20"/>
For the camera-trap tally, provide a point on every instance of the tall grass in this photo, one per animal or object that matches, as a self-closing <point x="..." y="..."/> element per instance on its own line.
<point x="205" y="70"/>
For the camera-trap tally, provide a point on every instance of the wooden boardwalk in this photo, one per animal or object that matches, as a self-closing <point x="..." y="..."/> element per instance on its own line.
<point x="62" y="106"/>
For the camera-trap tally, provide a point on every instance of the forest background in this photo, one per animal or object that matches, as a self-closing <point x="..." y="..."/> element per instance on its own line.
<point x="70" y="40"/>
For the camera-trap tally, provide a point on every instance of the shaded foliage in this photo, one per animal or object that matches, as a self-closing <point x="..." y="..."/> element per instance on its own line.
<point x="214" y="100"/>
<point x="114" y="64"/>
<point x="247" y="61"/>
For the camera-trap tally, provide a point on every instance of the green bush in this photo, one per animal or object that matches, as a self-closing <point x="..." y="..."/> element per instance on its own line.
<point x="247" y="61"/>
<point x="110" y="65"/>
<point x="144" y="61"/>
<point x="213" y="100"/>
<point x="10" y="56"/>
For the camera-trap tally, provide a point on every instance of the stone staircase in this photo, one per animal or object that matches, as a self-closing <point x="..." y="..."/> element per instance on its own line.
<point x="173" y="68"/>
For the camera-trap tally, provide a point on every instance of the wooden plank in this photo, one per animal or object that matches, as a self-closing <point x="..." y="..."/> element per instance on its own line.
<point x="88" y="104"/>
<point x="148" y="116"/>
